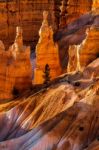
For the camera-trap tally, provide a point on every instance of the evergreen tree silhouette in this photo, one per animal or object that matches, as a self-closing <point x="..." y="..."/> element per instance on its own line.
<point x="46" y="75"/>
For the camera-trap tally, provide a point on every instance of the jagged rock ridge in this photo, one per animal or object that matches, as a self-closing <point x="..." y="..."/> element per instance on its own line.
<point x="16" y="71"/>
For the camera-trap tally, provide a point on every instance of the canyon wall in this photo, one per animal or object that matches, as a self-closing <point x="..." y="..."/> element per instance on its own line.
<point x="28" y="14"/>
<point x="15" y="68"/>
<point x="83" y="54"/>
<point x="89" y="50"/>
<point x="76" y="8"/>
<point x="73" y="9"/>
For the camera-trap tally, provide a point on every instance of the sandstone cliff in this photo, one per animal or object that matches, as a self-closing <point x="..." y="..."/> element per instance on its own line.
<point x="73" y="9"/>
<point x="15" y="13"/>
<point x="90" y="47"/>
<point x="15" y="68"/>
<point x="81" y="55"/>
<point x="77" y="8"/>
<point x="27" y="14"/>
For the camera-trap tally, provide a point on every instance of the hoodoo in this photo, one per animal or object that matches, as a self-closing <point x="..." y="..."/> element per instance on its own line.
<point x="47" y="52"/>
<point x="49" y="75"/>
<point x="16" y="71"/>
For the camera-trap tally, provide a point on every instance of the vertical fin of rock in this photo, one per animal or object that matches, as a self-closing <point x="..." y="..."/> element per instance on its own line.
<point x="46" y="53"/>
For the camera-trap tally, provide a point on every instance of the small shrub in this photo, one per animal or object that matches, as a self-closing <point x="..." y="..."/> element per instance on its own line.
<point x="15" y="91"/>
<point x="46" y="75"/>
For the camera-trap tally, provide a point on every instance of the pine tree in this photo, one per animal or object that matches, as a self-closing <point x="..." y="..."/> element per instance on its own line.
<point x="46" y="75"/>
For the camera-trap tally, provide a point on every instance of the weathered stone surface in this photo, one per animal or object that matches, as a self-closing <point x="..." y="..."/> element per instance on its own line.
<point x="92" y="70"/>
<point x="76" y="8"/>
<point x="80" y="55"/>
<point x="26" y="13"/>
<point x="74" y="59"/>
<point x="89" y="50"/>
<point x="95" y="7"/>
<point x="15" y="68"/>
<point x="14" y="13"/>
<point x="63" y="14"/>
<point x="37" y="123"/>
<point x="46" y="53"/>
<point x="63" y="116"/>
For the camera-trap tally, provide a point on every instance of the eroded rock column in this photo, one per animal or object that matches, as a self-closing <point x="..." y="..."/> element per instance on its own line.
<point x="22" y="65"/>
<point x="15" y="68"/>
<point x="46" y="53"/>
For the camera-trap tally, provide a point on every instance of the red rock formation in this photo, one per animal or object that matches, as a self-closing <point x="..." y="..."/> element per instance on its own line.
<point x="6" y="80"/>
<point x="46" y="53"/>
<point x="92" y="70"/>
<point x="16" y="71"/>
<point x="74" y="59"/>
<point x="83" y="54"/>
<point x="27" y="14"/>
<point x="52" y="118"/>
<point x="21" y="54"/>
<point x="76" y="8"/>
<point x="63" y="14"/>
<point x="95" y="6"/>
<point x="90" y="47"/>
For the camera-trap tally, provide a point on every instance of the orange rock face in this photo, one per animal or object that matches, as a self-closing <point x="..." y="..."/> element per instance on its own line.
<point x="15" y="68"/>
<point x="63" y="13"/>
<point x="83" y="54"/>
<point x="76" y="8"/>
<point x="26" y="13"/>
<point x="74" y="59"/>
<point x="72" y="62"/>
<point x="46" y="53"/>
<point x="95" y="5"/>
<point x="62" y="117"/>
<point x="90" y="47"/>
<point x="5" y="68"/>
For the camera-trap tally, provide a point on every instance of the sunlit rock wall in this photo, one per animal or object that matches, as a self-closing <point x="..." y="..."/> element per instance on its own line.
<point x="89" y="50"/>
<point x="73" y="9"/>
<point x="15" y="68"/>
<point x="46" y="53"/>
<point x="72" y="61"/>
<point x="28" y="14"/>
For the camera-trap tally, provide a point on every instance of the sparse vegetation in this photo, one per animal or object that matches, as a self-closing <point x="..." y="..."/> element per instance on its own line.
<point x="15" y="92"/>
<point x="46" y="75"/>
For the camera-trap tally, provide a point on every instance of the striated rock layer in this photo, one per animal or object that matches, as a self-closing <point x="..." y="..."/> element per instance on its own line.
<point x="15" y="13"/>
<point x="47" y="53"/>
<point x="89" y="49"/>
<point x="76" y="8"/>
<point x="28" y="14"/>
<point x="62" y="117"/>
<point x="82" y="54"/>
<point x="15" y="68"/>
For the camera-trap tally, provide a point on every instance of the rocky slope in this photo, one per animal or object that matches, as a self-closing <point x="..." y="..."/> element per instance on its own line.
<point x="34" y="119"/>
<point x="64" y="114"/>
